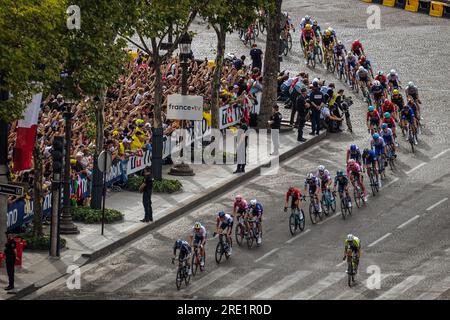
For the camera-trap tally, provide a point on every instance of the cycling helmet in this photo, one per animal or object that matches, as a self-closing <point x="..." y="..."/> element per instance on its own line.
<point x="197" y="225"/>
<point x="291" y="189"/>
<point x="380" y="73"/>
<point x="371" y="108"/>
<point x="376" y="136"/>
<point x="350" y="237"/>
<point x="308" y="27"/>
<point x="376" y="83"/>
<point x="285" y="13"/>
<point x="339" y="173"/>
<point x="353" y="147"/>
<point x="351" y="162"/>
<point x="310" y="176"/>
<point x="221" y="214"/>
<point x="363" y="59"/>
<point x="361" y="68"/>
<point x="384" y="126"/>
<point x="357" y="41"/>
<point x="339" y="43"/>
<point x="349" y="54"/>
<point x="238" y="197"/>
<point x="328" y="32"/>
<point x="178" y="243"/>
<point x="321" y="168"/>
<point x="307" y="18"/>
<point x="331" y="29"/>
<point x="395" y="91"/>
<point x="410" y="84"/>
<point x="393" y="72"/>
<point x="253" y="202"/>
<point x="315" y="23"/>
<point x="387" y="115"/>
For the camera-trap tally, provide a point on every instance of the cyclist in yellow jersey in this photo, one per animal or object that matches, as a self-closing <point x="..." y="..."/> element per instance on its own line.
<point x="353" y="243"/>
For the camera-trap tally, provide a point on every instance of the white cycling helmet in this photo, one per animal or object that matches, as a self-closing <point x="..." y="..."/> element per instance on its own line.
<point x="393" y="72"/>
<point x="340" y="43"/>
<point x="361" y="68"/>
<point x="238" y="197"/>
<point x="350" y="237"/>
<point x="410" y="84"/>
<point x="315" y="80"/>
<point x="321" y="168"/>
<point x="253" y="202"/>
<point x="310" y="176"/>
<point x="376" y="83"/>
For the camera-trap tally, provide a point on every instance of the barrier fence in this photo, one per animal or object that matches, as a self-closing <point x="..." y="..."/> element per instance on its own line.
<point x="440" y="9"/>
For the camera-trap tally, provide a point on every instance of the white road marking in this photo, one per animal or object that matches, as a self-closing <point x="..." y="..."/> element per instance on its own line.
<point x="320" y="286"/>
<point x="282" y="285"/>
<point x="351" y="294"/>
<point x="391" y="182"/>
<point x="103" y="270"/>
<point x="341" y="264"/>
<point x="207" y="280"/>
<point x="121" y="282"/>
<point x="332" y="217"/>
<point x="436" y="290"/>
<point x="410" y="220"/>
<point x="436" y="204"/>
<point x="416" y="167"/>
<point x="267" y="254"/>
<point x="241" y="283"/>
<point x="158" y="283"/>
<point x="441" y="154"/>
<point x="381" y="239"/>
<point x="401" y="287"/>
<point x="298" y="236"/>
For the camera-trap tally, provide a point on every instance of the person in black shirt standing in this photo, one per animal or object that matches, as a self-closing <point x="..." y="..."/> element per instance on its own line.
<point x="275" y="125"/>
<point x="146" y="188"/>
<point x="256" y="54"/>
<point x="316" y="97"/>
<point x="302" y="105"/>
<point x="10" y="253"/>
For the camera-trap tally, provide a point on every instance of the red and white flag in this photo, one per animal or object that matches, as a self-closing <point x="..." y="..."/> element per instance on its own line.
<point x="26" y="135"/>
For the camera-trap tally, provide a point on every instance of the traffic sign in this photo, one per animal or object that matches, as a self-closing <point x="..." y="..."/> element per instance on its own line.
<point x="11" y="189"/>
<point x="105" y="161"/>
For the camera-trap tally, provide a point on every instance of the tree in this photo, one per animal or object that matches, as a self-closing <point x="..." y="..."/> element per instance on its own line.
<point x="31" y="50"/>
<point x="153" y="21"/>
<point x="271" y="64"/>
<point x="225" y="16"/>
<point x="95" y="61"/>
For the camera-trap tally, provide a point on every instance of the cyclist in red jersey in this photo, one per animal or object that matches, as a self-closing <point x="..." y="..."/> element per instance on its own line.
<point x="389" y="106"/>
<point x="373" y="118"/>
<point x="354" y="172"/>
<point x="357" y="48"/>
<point x="382" y="78"/>
<point x="296" y="196"/>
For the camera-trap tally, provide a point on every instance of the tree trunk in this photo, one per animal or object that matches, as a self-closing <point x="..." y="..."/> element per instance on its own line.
<point x="97" y="186"/>
<point x="157" y="131"/>
<point x="271" y="66"/>
<point x="221" y="36"/>
<point x="37" y="191"/>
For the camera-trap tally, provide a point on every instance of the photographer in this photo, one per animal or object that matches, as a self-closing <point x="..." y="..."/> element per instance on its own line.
<point x="343" y="104"/>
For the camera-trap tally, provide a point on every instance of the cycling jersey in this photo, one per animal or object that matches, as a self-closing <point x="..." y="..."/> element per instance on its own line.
<point x="390" y="122"/>
<point x="240" y="205"/>
<point x="394" y="80"/>
<point x="357" y="48"/>
<point x="388" y="106"/>
<point x="382" y="79"/>
<point x="341" y="182"/>
<point x="327" y="40"/>
<point x="324" y="177"/>
<point x="387" y="135"/>
<point x="296" y="194"/>
<point x="304" y="22"/>
<point x="257" y="209"/>
<point x="366" y="64"/>
<point x="412" y="91"/>
<point x="351" y="62"/>
<point x="308" y="34"/>
<point x="408" y="114"/>
<point x="185" y="249"/>
<point x="317" y="30"/>
<point x="225" y="222"/>
<point x="377" y="90"/>
<point x="362" y="75"/>
<point x="339" y="49"/>
<point x="200" y="233"/>
<point x="354" y="155"/>
<point x="378" y="145"/>
<point x="354" y="245"/>
<point x="353" y="169"/>
<point x="370" y="158"/>
<point x="313" y="184"/>
<point x="398" y="100"/>
<point x="372" y="116"/>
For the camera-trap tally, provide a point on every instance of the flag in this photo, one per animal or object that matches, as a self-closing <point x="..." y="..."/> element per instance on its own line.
<point x="26" y="135"/>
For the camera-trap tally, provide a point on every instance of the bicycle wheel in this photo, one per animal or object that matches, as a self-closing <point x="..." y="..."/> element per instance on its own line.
<point x="285" y="48"/>
<point x="301" y="220"/>
<point x="325" y="207"/>
<point x="256" y="31"/>
<point x="349" y="206"/>
<point x="333" y="64"/>
<point x="195" y="263"/>
<point x="292" y="223"/>
<point x="219" y="252"/>
<point x="239" y="234"/>
<point x="179" y="279"/>
<point x="250" y="238"/>
<point x="319" y="54"/>
<point x="349" y="273"/>
<point x="373" y="184"/>
<point x="357" y="197"/>
<point x="312" y="213"/>
<point x="343" y="208"/>
<point x="261" y="26"/>
<point x="187" y="277"/>
<point x="289" y="40"/>
<point x="313" y="60"/>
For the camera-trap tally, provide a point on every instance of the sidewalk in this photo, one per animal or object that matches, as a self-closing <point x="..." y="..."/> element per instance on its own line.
<point x="209" y="181"/>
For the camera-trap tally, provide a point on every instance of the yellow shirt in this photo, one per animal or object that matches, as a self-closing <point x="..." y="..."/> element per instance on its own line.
<point x="121" y="149"/>
<point x="136" y="143"/>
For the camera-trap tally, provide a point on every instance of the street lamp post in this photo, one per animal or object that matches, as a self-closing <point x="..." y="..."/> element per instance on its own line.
<point x="66" y="224"/>
<point x="183" y="169"/>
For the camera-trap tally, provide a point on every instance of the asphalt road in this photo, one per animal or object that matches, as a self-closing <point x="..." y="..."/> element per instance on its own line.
<point x="405" y="229"/>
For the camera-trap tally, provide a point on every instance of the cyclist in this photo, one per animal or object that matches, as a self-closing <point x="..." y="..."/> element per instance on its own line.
<point x="350" y="65"/>
<point x="373" y="119"/>
<point x="354" y="172"/>
<point x="287" y="24"/>
<point x="388" y="137"/>
<point x="382" y="78"/>
<point x="415" y="107"/>
<point x="377" y="92"/>
<point x="296" y="196"/>
<point x="240" y="207"/>
<point x="317" y="29"/>
<point x="224" y="222"/>
<point x="340" y="50"/>
<point x="185" y="252"/>
<point x="327" y="42"/>
<point x="389" y="120"/>
<point x="397" y="99"/>
<point x="378" y="144"/>
<point x="412" y="91"/>
<point x="325" y="178"/>
<point x="306" y="20"/>
<point x="389" y="106"/>
<point x="370" y="160"/>
<point x="393" y="80"/>
<point x="333" y="33"/>
<point x="364" y="62"/>
<point x="198" y="239"/>
<point x="357" y="48"/>
<point x="307" y="36"/>
<point x="408" y="117"/>
<point x="313" y="184"/>
<point x="362" y="75"/>
<point x="256" y="210"/>
<point x="341" y="181"/>
<point x="353" y="243"/>
<point x="354" y="153"/>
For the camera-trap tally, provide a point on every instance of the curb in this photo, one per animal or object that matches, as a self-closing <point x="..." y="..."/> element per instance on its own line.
<point x="175" y="213"/>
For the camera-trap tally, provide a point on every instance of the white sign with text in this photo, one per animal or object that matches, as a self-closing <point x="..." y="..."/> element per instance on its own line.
<point x="181" y="107"/>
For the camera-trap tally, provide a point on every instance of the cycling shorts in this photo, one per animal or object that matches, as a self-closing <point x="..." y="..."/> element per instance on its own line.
<point x="198" y="239"/>
<point x="356" y="175"/>
<point x="394" y="83"/>
<point x="357" y="52"/>
<point x="378" y="151"/>
<point x="342" y="186"/>
<point x="293" y="201"/>
<point x="374" y="121"/>
<point x="312" y="189"/>
<point x="241" y="211"/>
